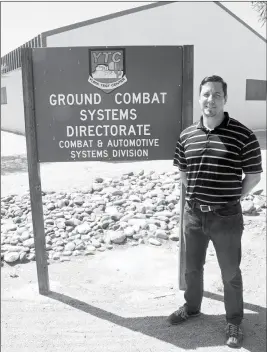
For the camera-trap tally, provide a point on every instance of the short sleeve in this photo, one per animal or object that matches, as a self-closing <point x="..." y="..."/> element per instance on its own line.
<point x="179" y="157"/>
<point x="251" y="156"/>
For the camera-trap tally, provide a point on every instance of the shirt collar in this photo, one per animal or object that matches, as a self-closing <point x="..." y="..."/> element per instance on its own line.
<point x="224" y="123"/>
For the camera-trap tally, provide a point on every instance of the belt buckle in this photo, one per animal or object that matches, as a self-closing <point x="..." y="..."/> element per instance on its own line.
<point x="205" y="208"/>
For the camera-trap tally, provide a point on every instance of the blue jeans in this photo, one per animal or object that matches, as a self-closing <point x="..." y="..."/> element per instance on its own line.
<point x="224" y="228"/>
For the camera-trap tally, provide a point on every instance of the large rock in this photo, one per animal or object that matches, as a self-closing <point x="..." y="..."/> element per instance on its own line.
<point x="83" y="228"/>
<point x="67" y="253"/>
<point x="70" y="222"/>
<point x="20" y="230"/>
<point x="61" y="203"/>
<point x="154" y="241"/>
<point x="117" y="216"/>
<point x="109" y="190"/>
<point x="161" y="234"/>
<point x="247" y="206"/>
<point x="51" y="206"/>
<point x="119" y="202"/>
<point x="164" y="213"/>
<point x="78" y="200"/>
<point x="9" y="227"/>
<point x="99" y="180"/>
<point x="258" y="192"/>
<point x="128" y="216"/>
<point x="9" y="248"/>
<point x="11" y="257"/>
<point x="141" y="223"/>
<point x="14" y="240"/>
<point x="174" y="236"/>
<point x="70" y="247"/>
<point x="111" y="211"/>
<point x="117" y="192"/>
<point x="61" y="225"/>
<point x="25" y="236"/>
<point x="171" y="199"/>
<point x="259" y="203"/>
<point x="23" y="256"/>
<point x="97" y="187"/>
<point x="134" y="198"/>
<point x="29" y="243"/>
<point x="56" y="256"/>
<point x="152" y="227"/>
<point x="95" y="243"/>
<point x="129" y="231"/>
<point x="91" y="248"/>
<point x="116" y="237"/>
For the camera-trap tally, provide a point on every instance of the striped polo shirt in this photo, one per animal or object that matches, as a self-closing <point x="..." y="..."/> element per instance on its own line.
<point x="214" y="160"/>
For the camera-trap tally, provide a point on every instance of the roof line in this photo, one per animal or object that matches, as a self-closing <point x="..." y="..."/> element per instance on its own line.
<point x="239" y="20"/>
<point x="134" y="10"/>
<point x="106" y="17"/>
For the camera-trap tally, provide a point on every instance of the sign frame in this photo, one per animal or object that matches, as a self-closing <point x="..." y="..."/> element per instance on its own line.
<point x="34" y="164"/>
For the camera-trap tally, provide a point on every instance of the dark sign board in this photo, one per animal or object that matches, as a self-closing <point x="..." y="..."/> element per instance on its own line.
<point x="103" y="104"/>
<point x="107" y="103"/>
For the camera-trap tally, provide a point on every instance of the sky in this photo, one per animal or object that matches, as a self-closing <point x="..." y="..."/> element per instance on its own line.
<point x="21" y="21"/>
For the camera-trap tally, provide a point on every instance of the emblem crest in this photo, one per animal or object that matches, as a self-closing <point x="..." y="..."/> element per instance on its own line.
<point x="107" y="68"/>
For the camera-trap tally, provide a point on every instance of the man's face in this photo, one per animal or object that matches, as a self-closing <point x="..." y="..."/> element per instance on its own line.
<point x="212" y="99"/>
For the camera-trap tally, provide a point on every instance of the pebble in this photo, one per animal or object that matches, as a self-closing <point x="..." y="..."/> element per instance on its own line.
<point x="64" y="259"/>
<point x="67" y="253"/>
<point x="174" y="237"/>
<point x="154" y="241"/>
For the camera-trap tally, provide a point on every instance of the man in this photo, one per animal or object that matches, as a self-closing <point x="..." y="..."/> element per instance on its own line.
<point x="211" y="155"/>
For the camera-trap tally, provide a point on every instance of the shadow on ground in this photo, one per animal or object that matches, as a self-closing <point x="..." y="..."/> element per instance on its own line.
<point x="13" y="163"/>
<point x="204" y="331"/>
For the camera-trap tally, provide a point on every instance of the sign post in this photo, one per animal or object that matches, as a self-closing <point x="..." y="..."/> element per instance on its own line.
<point x="34" y="172"/>
<point x="102" y="104"/>
<point x="187" y="120"/>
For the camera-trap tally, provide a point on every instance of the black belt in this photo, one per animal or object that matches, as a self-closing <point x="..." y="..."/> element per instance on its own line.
<point x="205" y="208"/>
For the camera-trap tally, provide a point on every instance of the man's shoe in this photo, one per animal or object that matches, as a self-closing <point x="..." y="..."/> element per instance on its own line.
<point x="181" y="315"/>
<point x="234" y="335"/>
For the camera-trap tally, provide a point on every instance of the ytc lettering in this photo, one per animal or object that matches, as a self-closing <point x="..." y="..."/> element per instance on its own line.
<point x="115" y="56"/>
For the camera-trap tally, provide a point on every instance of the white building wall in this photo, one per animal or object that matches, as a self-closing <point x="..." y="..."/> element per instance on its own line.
<point x="12" y="113"/>
<point x="222" y="46"/>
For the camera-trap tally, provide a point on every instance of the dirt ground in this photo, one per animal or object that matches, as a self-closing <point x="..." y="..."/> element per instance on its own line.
<point x="118" y="301"/>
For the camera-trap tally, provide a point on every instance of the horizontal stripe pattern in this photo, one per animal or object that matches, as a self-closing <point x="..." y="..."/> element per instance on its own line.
<point x="215" y="160"/>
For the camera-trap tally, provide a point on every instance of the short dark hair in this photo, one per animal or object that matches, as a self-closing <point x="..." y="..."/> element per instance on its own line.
<point x="214" y="79"/>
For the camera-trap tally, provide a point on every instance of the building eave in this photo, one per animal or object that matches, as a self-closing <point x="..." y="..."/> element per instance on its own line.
<point x="135" y="10"/>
